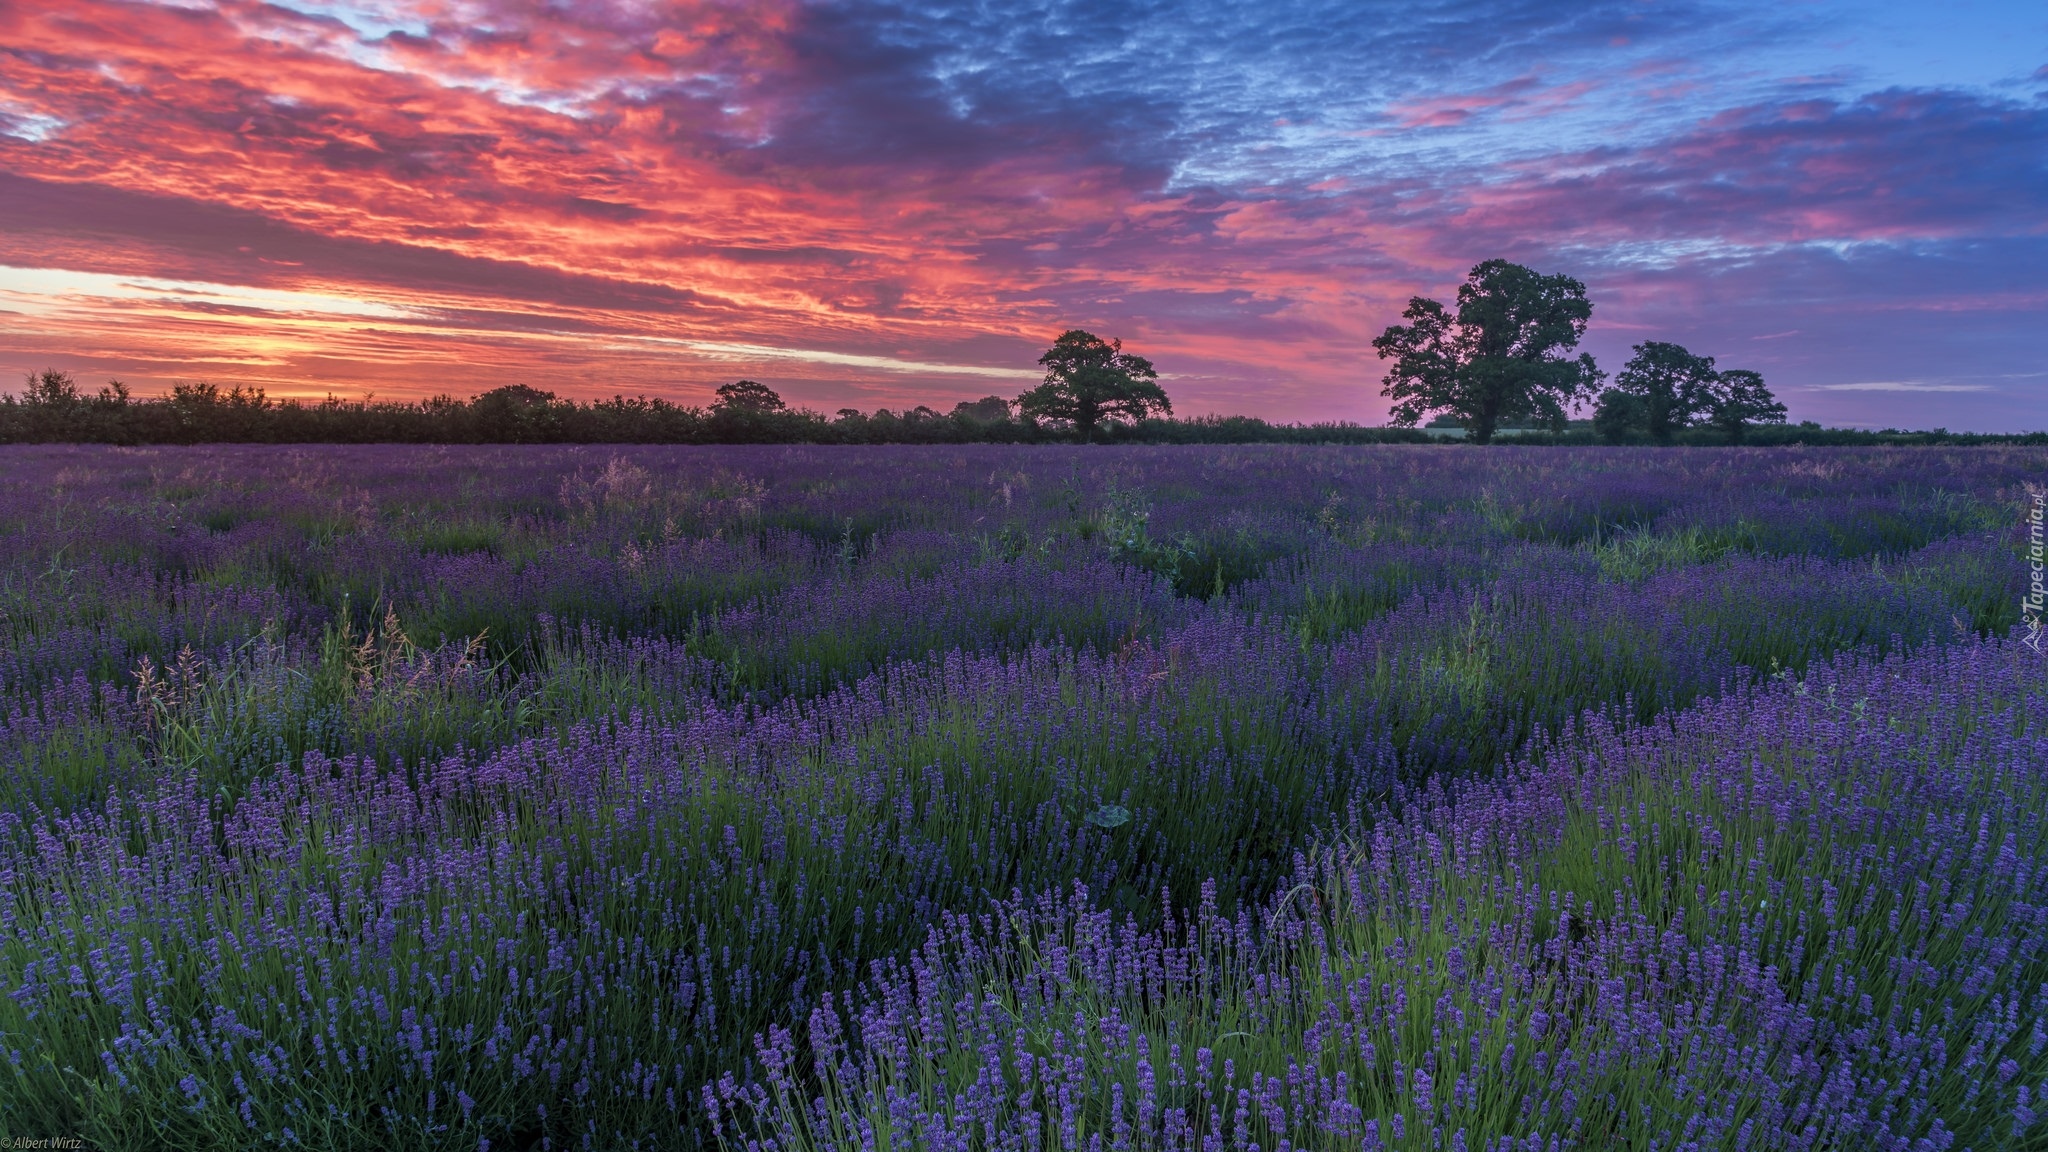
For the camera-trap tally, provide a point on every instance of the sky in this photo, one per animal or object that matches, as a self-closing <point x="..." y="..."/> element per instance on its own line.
<point x="889" y="204"/>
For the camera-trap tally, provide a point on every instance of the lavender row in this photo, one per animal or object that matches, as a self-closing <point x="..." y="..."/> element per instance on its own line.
<point x="461" y="540"/>
<point x="124" y="557"/>
<point x="1457" y="660"/>
<point x="1813" y="915"/>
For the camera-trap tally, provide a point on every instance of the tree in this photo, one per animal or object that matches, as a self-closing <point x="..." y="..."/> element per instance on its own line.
<point x="1739" y="400"/>
<point x="1088" y="380"/>
<point x="1617" y="415"/>
<point x="517" y="414"/>
<point x="747" y="396"/>
<point x="1502" y="357"/>
<point x="52" y="390"/>
<point x="987" y="410"/>
<point x="52" y="407"/>
<point x="1665" y="388"/>
<point x="1671" y="388"/>
<point x="203" y="411"/>
<point x="513" y="396"/>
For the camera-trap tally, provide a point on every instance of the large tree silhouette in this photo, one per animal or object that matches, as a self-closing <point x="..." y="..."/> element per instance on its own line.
<point x="1665" y="388"/>
<point x="1670" y="388"/>
<point x="1739" y="400"/>
<point x="747" y="396"/>
<point x="1089" y="380"/>
<point x="1504" y="355"/>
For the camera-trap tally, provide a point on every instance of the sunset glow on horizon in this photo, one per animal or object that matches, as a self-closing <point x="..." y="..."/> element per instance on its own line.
<point x="869" y="204"/>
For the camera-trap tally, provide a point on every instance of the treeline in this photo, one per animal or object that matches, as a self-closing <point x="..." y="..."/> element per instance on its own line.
<point x="1500" y="359"/>
<point x="1807" y="433"/>
<point x="53" y="409"/>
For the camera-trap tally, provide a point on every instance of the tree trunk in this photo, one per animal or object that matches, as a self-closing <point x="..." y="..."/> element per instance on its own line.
<point x="1484" y="422"/>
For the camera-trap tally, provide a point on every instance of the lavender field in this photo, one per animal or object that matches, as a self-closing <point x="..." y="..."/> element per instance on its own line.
<point x="1021" y="798"/>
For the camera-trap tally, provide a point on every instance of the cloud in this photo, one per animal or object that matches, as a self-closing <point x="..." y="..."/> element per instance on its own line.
<point x="1524" y="97"/>
<point x="1901" y="386"/>
<point x="1894" y="167"/>
<point x="36" y="288"/>
<point x="880" y="196"/>
<point x="755" y="353"/>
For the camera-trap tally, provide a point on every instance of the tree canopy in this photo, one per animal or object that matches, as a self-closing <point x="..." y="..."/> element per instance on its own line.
<point x="1665" y="388"/>
<point x="1504" y="355"/>
<point x="1669" y="386"/>
<point x="1089" y="380"/>
<point x="747" y="396"/>
<point x="515" y="413"/>
<point x="1739" y="400"/>
<point x="987" y="410"/>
